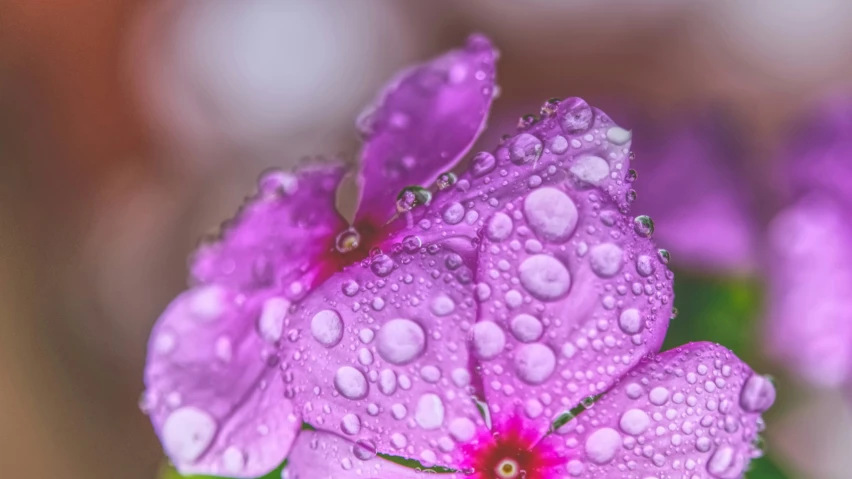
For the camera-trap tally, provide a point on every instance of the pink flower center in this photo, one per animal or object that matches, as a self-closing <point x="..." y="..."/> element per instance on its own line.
<point x="511" y="451"/>
<point x="349" y="247"/>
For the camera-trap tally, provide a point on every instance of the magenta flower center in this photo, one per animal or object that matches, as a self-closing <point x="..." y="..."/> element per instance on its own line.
<point x="511" y="452"/>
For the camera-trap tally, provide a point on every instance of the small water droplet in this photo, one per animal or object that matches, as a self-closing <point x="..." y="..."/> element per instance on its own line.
<point x="525" y="148"/>
<point x="411" y="197"/>
<point x="548" y="109"/>
<point x="348" y="240"/>
<point x="664" y="256"/>
<point x="643" y="225"/>
<point x="446" y="180"/>
<point x="483" y="163"/>
<point x="576" y="115"/>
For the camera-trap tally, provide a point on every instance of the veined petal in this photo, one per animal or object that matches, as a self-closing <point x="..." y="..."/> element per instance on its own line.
<point x="278" y="234"/>
<point x="213" y="387"/>
<point x="693" y="411"/>
<point x="809" y="322"/>
<point x="381" y="353"/>
<point x="318" y="454"/>
<point x="424" y="122"/>
<point x="572" y="292"/>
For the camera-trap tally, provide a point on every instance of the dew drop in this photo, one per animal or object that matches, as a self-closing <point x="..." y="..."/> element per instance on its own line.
<point x="446" y="180"/>
<point x="643" y="225"/>
<point x="411" y="197"/>
<point x="499" y="227"/>
<point x="644" y="265"/>
<point x="534" y="363"/>
<point x="551" y="214"/>
<point x="545" y="277"/>
<point x="348" y="240"/>
<point x="758" y="394"/>
<point x="351" y="383"/>
<point x="590" y="169"/>
<point x="430" y="412"/>
<point x="618" y="135"/>
<point x="630" y="321"/>
<point x="187" y="433"/>
<point x="634" y="422"/>
<point x="488" y="339"/>
<point x="483" y="163"/>
<point x="442" y="305"/>
<point x="606" y="259"/>
<point x="454" y="213"/>
<point x="400" y="341"/>
<point x="525" y="148"/>
<point x="575" y="115"/>
<point x="327" y="328"/>
<point x="271" y="321"/>
<point x="350" y="424"/>
<point x="526" y="328"/>
<point x="381" y="265"/>
<point x="602" y="445"/>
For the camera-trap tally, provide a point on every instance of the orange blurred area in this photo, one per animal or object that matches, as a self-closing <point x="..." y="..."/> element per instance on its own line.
<point x="129" y="129"/>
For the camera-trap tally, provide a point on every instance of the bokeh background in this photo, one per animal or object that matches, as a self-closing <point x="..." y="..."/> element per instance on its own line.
<point x="128" y="129"/>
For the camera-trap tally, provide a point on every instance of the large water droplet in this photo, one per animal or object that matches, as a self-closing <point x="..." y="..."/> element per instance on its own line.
<point x="551" y="214"/>
<point x="453" y="213"/>
<point x="381" y="265"/>
<point x="726" y="463"/>
<point x="271" y="321"/>
<point x="488" y="339"/>
<point x="576" y="115"/>
<point x="758" y="394"/>
<point x="351" y="383"/>
<point x="446" y="180"/>
<point x="233" y="460"/>
<point x="483" y="163"/>
<point x="545" y="277"/>
<point x="400" y="341"/>
<point x="630" y="321"/>
<point x="350" y="424"/>
<point x="525" y="148"/>
<point x="634" y="422"/>
<point x="618" y="135"/>
<point x="430" y="411"/>
<point x="327" y="327"/>
<point x="462" y="429"/>
<point x="590" y="169"/>
<point x="606" y="259"/>
<point x="602" y="445"/>
<point x="187" y="433"/>
<point x="499" y="227"/>
<point x="534" y="363"/>
<point x="526" y="328"/>
<point x="442" y="305"/>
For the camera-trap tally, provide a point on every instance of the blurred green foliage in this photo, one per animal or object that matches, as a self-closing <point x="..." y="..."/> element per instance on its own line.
<point x="722" y="310"/>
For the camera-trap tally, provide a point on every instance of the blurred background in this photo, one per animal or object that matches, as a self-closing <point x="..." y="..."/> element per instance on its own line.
<point x="128" y="129"/>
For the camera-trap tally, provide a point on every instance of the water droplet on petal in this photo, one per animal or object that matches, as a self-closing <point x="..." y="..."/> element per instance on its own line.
<point x="411" y="197"/>
<point x="446" y="180"/>
<point x="381" y="265"/>
<point x="534" y="363"/>
<point x="233" y="460"/>
<point x="630" y="321"/>
<point x="545" y="277"/>
<point x="351" y="383"/>
<point x="453" y="213"/>
<point x="590" y="169"/>
<point x="350" y="424"/>
<point x="488" y="339"/>
<point x="644" y="265"/>
<point x="430" y="412"/>
<point x="411" y="244"/>
<point x="525" y="148"/>
<point x="725" y="463"/>
<point x="618" y="135"/>
<point x="526" y="328"/>
<point x="606" y="259"/>
<point x="271" y="321"/>
<point x="634" y="422"/>
<point x="499" y="227"/>
<point x="348" y="240"/>
<point x="758" y="394"/>
<point x="483" y="163"/>
<point x="664" y="256"/>
<point x="187" y="433"/>
<point x="643" y="225"/>
<point x="602" y="445"/>
<point x="576" y="115"/>
<point x="551" y="214"/>
<point x="400" y="341"/>
<point x="327" y="327"/>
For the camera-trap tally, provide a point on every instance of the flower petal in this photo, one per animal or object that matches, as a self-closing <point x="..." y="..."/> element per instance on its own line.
<point x="213" y="391"/>
<point x="572" y="292"/>
<point x="818" y="158"/>
<point x="381" y="356"/>
<point x="693" y="183"/>
<point x="278" y="234"/>
<point x="693" y="411"/>
<point x="809" y="322"/>
<point x="318" y="454"/>
<point x="425" y="120"/>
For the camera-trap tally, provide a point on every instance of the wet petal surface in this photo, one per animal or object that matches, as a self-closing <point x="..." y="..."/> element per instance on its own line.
<point x="572" y="292"/>
<point x="691" y="412"/>
<point x="279" y="234"/>
<point x="425" y="121"/>
<point x="326" y="455"/>
<point x="809" y="322"/>
<point x="381" y="357"/>
<point x="213" y="391"/>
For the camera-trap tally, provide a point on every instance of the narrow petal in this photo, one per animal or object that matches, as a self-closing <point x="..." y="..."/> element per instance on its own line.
<point x="693" y="411"/>
<point x="809" y="321"/>
<point x="693" y="183"/>
<point x="424" y="122"/>
<point x="318" y="454"/>
<point x="278" y="234"/>
<point x="214" y="392"/>
<point x="572" y="292"/>
<point x="381" y="353"/>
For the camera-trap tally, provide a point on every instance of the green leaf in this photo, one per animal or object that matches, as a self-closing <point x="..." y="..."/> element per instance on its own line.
<point x="168" y="472"/>
<point x="722" y="310"/>
<point x="765" y="468"/>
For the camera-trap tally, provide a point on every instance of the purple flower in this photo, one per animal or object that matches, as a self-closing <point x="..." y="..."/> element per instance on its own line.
<point x="810" y="252"/>
<point x="452" y="324"/>
<point x="695" y="186"/>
